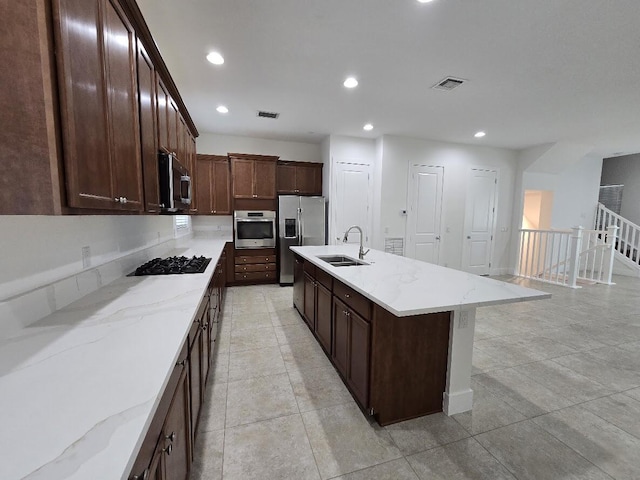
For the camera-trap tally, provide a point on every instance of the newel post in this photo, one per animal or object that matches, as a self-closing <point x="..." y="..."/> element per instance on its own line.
<point x="612" y="233"/>
<point x="574" y="263"/>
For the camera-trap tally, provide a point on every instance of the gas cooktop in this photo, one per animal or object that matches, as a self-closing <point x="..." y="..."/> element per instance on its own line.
<point x="172" y="266"/>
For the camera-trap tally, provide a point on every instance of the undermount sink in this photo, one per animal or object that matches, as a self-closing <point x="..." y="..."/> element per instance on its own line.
<point x="341" y="261"/>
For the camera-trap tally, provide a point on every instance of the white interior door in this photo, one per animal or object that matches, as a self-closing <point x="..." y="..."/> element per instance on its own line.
<point x="479" y="221"/>
<point x="424" y="213"/>
<point x="352" y="205"/>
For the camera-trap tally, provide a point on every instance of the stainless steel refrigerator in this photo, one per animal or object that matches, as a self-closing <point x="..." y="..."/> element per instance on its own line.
<point x="301" y="221"/>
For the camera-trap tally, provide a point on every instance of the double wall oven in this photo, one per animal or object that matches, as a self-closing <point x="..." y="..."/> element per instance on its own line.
<point x="254" y="229"/>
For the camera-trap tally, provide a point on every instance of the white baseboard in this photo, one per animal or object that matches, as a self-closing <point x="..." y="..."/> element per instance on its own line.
<point x="457" y="402"/>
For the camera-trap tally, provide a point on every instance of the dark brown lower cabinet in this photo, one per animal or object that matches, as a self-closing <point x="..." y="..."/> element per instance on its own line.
<point x="351" y="346"/>
<point x="323" y="317"/>
<point x="340" y="353"/>
<point x="176" y="434"/>
<point x="195" y="367"/>
<point x="309" y="301"/>
<point x="298" y="283"/>
<point x="359" y="344"/>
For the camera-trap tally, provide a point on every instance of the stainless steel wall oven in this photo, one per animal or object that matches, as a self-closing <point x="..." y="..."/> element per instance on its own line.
<point x="254" y="229"/>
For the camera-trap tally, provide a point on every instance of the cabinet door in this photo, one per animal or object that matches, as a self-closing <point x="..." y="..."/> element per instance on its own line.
<point x="162" y="96"/>
<point x="309" y="301"/>
<point x="242" y="178"/>
<point x="191" y="155"/>
<point x="221" y="193"/>
<point x="309" y="179"/>
<point x="359" y="344"/>
<point x="156" y="469"/>
<point x="176" y="434"/>
<point x="195" y="377"/>
<point x="340" y="351"/>
<point x="286" y="178"/>
<point x="172" y="126"/>
<point x="83" y="104"/>
<point x="204" y="180"/>
<point x="205" y="352"/>
<point x="298" y="283"/>
<point x="148" y="129"/>
<point x="323" y="317"/>
<point x="124" y="141"/>
<point x="264" y="179"/>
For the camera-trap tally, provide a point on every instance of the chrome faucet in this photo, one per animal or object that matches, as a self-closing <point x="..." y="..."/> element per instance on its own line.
<point x="361" y="252"/>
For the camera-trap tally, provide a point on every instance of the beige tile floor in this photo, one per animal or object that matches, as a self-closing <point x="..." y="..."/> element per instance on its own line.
<point x="556" y="396"/>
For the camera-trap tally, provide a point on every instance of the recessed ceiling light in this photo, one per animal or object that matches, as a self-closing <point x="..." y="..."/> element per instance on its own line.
<point x="215" y="58"/>
<point x="479" y="134"/>
<point x="222" y="109"/>
<point x="368" y="127"/>
<point x="350" y="82"/>
<point x="425" y="1"/>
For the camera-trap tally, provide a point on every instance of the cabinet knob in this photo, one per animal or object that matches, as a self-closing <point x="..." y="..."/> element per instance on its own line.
<point x="346" y="295"/>
<point x="117" y="199"/>
<point x="254" y="195"/>
<point x="168" y="450"/>
<point x="171" y="437"/>
<point x="181" y="363"/>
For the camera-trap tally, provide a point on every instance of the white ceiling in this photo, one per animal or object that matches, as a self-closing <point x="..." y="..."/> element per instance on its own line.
<point x="538" y="71"/>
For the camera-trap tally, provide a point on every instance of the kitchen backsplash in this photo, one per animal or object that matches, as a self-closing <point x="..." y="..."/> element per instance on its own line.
<point x="49" y="262"/>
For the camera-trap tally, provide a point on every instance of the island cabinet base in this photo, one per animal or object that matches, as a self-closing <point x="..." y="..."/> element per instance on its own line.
<point x="408" y="365"/>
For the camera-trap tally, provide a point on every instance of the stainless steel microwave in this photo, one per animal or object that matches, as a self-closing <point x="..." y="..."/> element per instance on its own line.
<point x="175" y="184"/>
<point x="254" y="229"/>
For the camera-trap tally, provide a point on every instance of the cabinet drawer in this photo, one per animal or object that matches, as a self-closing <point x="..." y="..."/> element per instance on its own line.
<point x="255" y="276"/>
<point x="310" y="268"/>
<point x="353" y="299"/>
<point x="324" y="278"/>
<point x="241" y="260"/>
<point x="256" y="267"/>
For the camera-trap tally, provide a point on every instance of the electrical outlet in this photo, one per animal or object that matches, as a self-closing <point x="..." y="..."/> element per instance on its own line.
<point x="86" y="257"/>
<point x="464" y="320"/>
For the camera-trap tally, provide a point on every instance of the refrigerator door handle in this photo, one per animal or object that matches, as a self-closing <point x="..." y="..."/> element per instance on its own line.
<point x="300" y="226"/>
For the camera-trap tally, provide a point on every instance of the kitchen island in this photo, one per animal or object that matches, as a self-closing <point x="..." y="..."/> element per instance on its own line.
<point x="399" y="331"/>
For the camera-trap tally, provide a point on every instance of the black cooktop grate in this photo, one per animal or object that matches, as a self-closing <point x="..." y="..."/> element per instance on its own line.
<point x="172" y="266"/>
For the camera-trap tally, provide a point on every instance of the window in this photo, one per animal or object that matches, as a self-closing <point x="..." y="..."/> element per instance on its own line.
<point x="181" y="224"/>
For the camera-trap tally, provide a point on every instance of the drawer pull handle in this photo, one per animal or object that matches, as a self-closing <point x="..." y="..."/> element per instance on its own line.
<point x="346" y="295"/>
<point x="171" y="437"/>
<point x="168" y="450"/>
<point x="181" y="363"/>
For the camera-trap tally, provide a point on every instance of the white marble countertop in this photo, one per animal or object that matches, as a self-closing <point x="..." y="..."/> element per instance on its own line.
<point x="409" y="287"/>
<point x="79" y="388"/>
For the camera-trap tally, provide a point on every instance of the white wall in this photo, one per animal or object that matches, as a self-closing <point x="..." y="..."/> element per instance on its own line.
<point x="214" y="144"/>
<point x="396" y="156"/>
<point x="576" y="194"/>
<point x="38" y="250"/>
<point x="625" y="171"/>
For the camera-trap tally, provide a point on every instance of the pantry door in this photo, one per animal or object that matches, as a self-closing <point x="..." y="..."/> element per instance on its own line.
<point x="353" y="201"/>
<point x="480" y="214"/>
<point x="424" y="213"/>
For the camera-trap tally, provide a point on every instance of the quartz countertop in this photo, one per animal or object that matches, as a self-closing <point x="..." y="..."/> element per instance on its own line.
<point x="406" y="287"/>
<point x="79" y="388"/>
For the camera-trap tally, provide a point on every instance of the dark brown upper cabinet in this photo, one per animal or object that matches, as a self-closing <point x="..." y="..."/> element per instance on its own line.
<point x="148" y="129"/>
<point x="99" y="105"/>
<point x="299" y="178"/>
<point x="213" y="185"/>
<point x="254" y="176"/>
<point x="91" y="115"/>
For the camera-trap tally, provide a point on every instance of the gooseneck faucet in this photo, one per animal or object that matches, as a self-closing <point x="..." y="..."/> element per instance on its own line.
<point x="361" y="252"/>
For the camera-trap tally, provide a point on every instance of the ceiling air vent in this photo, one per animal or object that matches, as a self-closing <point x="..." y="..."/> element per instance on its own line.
<point x="263" y="114"/>
<point x="448" y="83"/>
